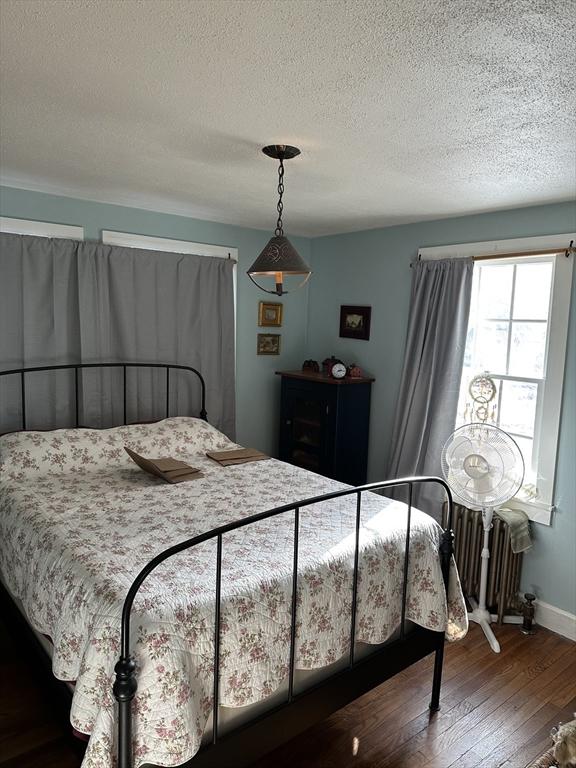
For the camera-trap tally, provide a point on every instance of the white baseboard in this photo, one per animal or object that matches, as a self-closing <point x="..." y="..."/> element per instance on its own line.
<point x="555" y="619"/>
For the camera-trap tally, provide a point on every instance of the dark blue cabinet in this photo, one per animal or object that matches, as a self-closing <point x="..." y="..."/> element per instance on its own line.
<point x="324" y="424"/>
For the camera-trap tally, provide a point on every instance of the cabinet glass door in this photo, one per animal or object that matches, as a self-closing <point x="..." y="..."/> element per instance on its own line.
<point x="306" y="430"/>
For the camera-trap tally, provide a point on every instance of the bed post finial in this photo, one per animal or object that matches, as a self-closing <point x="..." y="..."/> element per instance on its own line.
<point x="124" y="689"/>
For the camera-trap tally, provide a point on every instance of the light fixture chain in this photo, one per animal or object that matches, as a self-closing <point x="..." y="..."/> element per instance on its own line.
<point x="280" y="207"/>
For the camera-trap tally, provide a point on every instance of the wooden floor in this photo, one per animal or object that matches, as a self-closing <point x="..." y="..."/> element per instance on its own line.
<point x="497" y="711"/>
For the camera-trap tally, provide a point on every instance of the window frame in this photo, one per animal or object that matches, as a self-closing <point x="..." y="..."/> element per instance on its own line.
<point x="40" y="228"/>
<point x="546" y="440"/>
<point x="170" y="245"/>
<point x="559" y="315"/>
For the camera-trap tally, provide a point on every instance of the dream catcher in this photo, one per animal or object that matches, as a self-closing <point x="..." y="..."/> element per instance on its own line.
<point x="482" y="409"/>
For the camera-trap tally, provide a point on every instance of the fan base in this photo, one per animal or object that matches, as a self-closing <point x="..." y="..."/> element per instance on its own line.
<point x="482" y="616"/>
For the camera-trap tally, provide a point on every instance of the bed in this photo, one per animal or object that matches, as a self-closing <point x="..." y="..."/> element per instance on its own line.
<point x="207" y="621"/>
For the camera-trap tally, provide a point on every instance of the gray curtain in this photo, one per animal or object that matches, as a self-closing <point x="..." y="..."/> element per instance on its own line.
<point x="64" y="301"/>
<point x="429" y="388"/>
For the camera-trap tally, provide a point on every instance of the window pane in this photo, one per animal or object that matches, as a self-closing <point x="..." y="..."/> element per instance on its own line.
<point x="495" y="290"/>
<point x="528" y="349"/>
<point x="526" y="447"/>
<point x="491" y="347"/>
<point x="532" y="294"/>
<point x="518" y="407"/>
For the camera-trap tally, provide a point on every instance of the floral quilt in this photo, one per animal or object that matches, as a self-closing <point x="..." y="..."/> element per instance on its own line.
<point x="78" y="520"/>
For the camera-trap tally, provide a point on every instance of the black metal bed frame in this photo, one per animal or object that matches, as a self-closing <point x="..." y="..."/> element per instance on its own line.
<point x="300" y="709"/>
<point x="77" y="367"/>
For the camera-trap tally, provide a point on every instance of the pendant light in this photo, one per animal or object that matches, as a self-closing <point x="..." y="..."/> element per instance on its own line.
<point x="279" y="257"/>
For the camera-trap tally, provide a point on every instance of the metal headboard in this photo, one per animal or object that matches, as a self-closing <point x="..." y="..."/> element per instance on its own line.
<point x="23" y="372"/>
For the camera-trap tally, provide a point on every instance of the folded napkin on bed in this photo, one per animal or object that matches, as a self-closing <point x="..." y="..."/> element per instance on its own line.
<point x="171" y="470"/>
<point x="237" y="456"/>
<point x="519" y="524"/>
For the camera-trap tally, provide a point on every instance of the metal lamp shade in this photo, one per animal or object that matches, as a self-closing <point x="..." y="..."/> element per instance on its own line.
<point x="279" y="258"/>
<point x="279" y="255"/>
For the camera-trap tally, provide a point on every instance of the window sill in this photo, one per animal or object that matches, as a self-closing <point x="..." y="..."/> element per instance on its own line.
<point x="537" y="511"/>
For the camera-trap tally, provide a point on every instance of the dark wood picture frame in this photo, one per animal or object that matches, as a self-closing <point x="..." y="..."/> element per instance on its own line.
<point x="268" y="344"/>
<point x="355" y="322"/>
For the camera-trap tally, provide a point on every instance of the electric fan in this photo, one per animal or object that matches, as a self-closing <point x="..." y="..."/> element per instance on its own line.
<point x="484" y="468"/>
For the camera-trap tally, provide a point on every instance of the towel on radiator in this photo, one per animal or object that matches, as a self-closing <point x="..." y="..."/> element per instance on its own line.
<point x="519" y="524"/>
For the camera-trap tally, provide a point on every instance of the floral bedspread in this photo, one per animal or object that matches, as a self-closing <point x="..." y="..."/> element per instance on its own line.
<point x="78" y="520"/>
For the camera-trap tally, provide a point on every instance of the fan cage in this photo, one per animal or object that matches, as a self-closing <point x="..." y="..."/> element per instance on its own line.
<point x="483" y="466"/>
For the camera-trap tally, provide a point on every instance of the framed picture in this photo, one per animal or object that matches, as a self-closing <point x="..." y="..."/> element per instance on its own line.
<point x="269" y="314"/>
<point x="355" y="322"/>
<point x="268" y="344"/>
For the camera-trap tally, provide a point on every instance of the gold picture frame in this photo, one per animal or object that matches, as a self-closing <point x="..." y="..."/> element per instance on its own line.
<point x="268" y="344"/>
<point x="270" y="314"/>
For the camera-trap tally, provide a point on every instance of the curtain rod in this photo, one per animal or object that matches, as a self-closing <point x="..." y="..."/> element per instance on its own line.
<point x="518" y="254"/>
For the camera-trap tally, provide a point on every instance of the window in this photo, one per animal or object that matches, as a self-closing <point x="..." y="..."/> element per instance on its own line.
<point x="40" y="228"/>
<point x="517" y="335"/>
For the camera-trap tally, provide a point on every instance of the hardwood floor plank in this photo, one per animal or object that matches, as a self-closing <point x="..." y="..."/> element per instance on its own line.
<point x="566" y="692"/>
<point x="469" y="760"/>
<point x="536" y="743"/>
<point x="404" y="728"/>
<point x="454" y="724"/>
<point x="525" y="705"/>
<point x="488" y="724"/>
<point x="516" y="741"/>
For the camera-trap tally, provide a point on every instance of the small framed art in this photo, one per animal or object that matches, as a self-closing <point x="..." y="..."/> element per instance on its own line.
<point x="268" y="344"/>
<point x="269" y="314"/>
<point x="355" y="322"/>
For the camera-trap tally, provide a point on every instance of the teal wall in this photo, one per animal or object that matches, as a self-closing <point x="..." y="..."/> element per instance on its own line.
<point x="257" y="387"/>
<point x="372" y="268"/>
<point x="369" y="267"/>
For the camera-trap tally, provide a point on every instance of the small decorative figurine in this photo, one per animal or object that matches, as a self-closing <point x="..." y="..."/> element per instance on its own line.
<point x="528" y="613"/>
<point x="328" y="363"/>
<point x="311" y="366"/>
<point x="354" y="371"/>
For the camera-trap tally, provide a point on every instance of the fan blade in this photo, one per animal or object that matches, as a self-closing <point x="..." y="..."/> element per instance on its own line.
<point x="461" y="449"/>
<point x="491" y="454"/>
<point x="496" y="474"/>
<point x="456" y="466"/>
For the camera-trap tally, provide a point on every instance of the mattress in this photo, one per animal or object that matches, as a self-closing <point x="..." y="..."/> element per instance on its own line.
<point x="78" y="521"/>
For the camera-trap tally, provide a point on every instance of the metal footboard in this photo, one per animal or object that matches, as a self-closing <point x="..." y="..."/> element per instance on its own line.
<point x="125" y="684"/>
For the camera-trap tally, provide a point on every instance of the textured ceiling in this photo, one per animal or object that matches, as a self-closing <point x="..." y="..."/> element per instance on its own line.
<point x="404" y="110"/>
